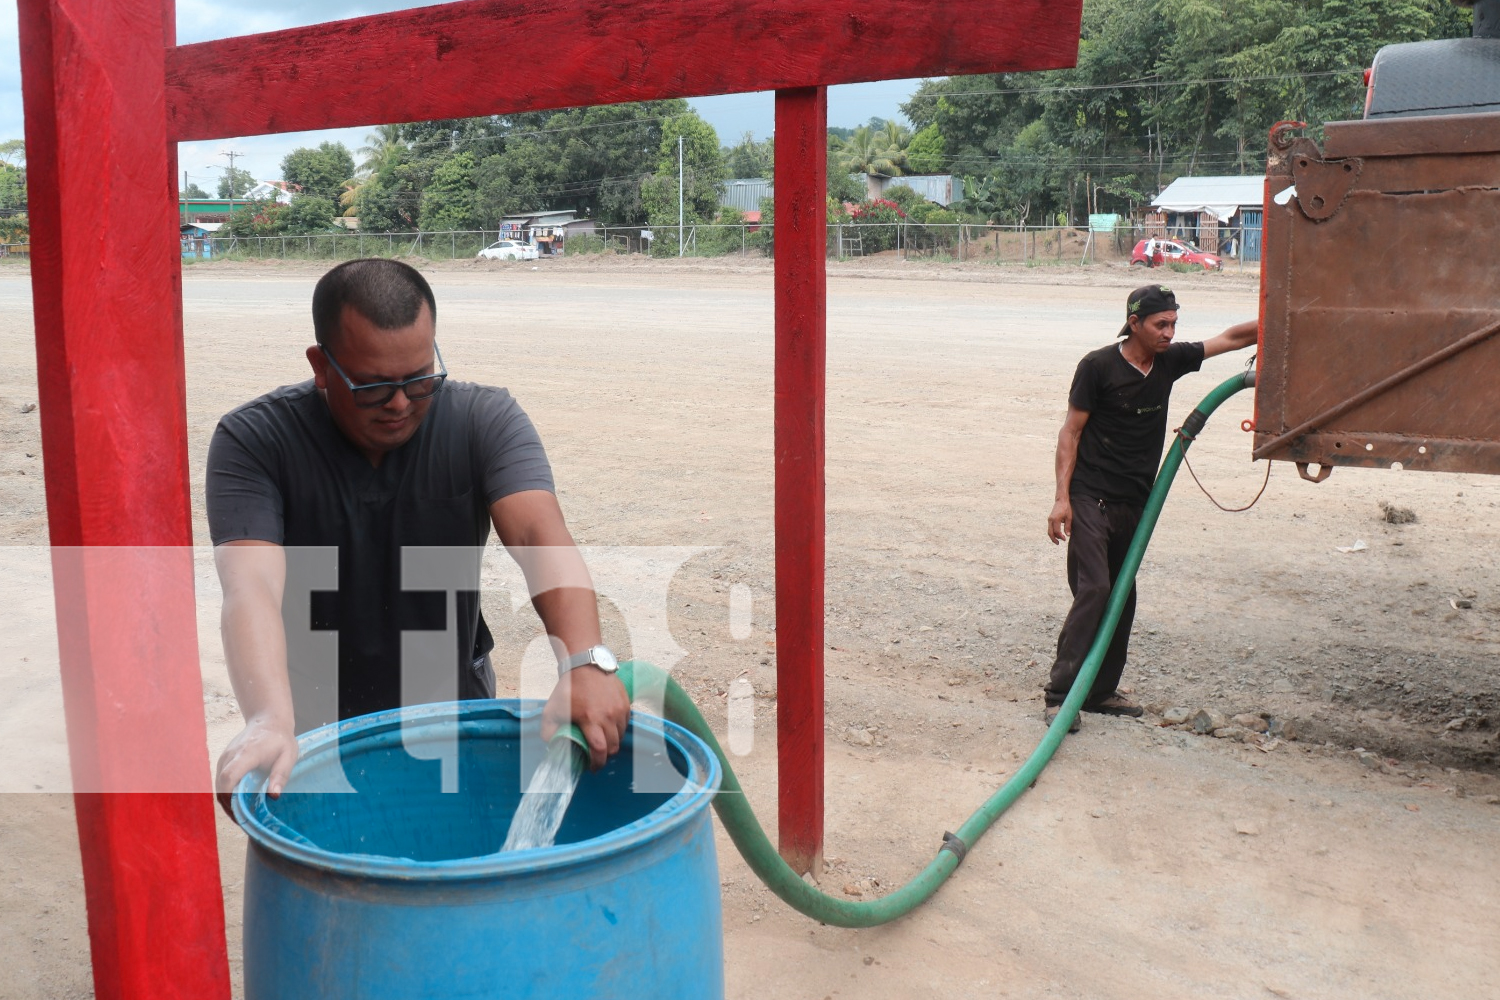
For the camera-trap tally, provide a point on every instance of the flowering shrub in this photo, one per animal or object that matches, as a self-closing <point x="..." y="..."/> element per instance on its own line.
<point x="876" y="221"/>
<point x="306" y="214"/>
<point x="258" y="218"/>
<point x="877" y="210"/>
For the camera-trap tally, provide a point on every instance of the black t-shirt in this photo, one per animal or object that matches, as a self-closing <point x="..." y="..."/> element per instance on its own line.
<point x="279" y="470"/>
<point x="1122" y="442"/>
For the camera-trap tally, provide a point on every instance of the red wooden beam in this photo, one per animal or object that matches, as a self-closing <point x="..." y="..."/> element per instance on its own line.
<point x="105" y="285"/>
<point x="445" y="61"/>
<point x="801" y="242"/>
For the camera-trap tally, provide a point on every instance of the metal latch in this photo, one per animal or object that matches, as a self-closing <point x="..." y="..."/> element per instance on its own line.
<point x="1322" y="185"/>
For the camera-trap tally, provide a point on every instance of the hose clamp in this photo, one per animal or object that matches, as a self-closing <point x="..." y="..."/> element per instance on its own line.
<point x="955" y="846"/>
<point x="1194" y="424"/>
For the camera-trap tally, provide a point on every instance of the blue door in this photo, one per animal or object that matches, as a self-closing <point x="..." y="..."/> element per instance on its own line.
<point x="1250" y="223"/>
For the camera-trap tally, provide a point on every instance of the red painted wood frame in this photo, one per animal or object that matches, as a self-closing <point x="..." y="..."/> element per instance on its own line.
<point x="107" y="93"/>
<point x="106" y="287"/>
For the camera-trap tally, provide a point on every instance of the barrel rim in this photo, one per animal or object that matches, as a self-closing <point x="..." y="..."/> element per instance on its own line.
<point x="697" y="792"/>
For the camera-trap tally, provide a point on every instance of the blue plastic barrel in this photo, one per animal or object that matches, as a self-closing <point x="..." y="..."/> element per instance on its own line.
<point x="398" y="890"/>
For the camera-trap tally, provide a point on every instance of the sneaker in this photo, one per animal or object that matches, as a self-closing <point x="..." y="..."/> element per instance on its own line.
<point x="1116" y="704"/>
<point x="1049" y="714"/>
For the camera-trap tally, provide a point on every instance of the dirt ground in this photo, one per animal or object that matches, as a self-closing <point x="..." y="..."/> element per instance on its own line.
<point x="1358" y="861"/>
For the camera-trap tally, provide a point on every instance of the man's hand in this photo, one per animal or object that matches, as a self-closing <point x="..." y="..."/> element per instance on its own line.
<point x="1060" y="521"/>
<point x="596" y="703"/>
<point x="263" y="745"/>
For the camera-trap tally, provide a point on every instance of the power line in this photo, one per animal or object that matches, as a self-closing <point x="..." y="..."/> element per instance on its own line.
<point x="229" y="177"/>
<point x="1137" y="84"/>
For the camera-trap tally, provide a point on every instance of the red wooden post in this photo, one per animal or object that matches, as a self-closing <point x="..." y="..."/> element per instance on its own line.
<point x="801" y="242"/>
<point x="106" y="292"/>
<point x="106" y="92"/>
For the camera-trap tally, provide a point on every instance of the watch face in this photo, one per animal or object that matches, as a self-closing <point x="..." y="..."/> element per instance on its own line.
<point x="604" y="659"/>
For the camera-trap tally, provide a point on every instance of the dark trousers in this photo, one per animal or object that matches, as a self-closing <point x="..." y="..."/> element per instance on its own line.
<point x="1101" y="536"/>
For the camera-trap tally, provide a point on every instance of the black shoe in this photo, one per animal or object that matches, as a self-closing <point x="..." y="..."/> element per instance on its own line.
<point x="1116" y="704"/>
<point x="1049" y="714"/>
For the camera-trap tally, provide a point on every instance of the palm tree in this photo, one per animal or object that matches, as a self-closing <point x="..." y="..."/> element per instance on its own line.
<point x="349" y="191"/>
<point x="868" y="151"/>
<point x="383" y="149"/>
<point x="897" y="138"/>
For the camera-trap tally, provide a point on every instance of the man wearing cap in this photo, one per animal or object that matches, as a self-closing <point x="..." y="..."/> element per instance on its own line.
<point x="1107" y="455"/>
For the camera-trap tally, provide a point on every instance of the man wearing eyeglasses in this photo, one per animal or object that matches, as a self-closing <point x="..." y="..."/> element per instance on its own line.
<point x="375" y="457"/>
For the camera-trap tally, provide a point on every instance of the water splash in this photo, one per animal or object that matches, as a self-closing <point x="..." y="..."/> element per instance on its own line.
<point x="546" y="798"/>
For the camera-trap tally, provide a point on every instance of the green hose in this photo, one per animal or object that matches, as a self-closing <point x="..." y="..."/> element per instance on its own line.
<point x="745" y="830"/>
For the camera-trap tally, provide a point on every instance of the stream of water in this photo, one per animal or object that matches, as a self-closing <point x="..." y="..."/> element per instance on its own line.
<point x="546" y="798"/>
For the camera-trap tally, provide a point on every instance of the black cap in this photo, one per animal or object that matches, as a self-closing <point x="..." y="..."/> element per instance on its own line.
<point x="1146" y="301"/>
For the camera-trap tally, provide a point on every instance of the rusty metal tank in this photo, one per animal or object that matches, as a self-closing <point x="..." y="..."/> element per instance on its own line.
<point x="1381" y="296"/>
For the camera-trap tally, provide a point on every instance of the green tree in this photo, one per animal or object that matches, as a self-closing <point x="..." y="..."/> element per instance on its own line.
<point x="702" y="169"/>
<point x="514" y="182"/>
<point x="590" y="160"/>
<point x="448" y="201"/>
<point x="385" y="206"/>
<point x="844" y="186"/>
<point x="319" y="172"/>
<point x="13" y="152"/>
<point x="749" y="158"/>
<point x="307" y="214"/>
<point x="235" y="183"/>
<point x="925" y="153"/>
<point x="12" y="188"/>
<point x="194" y="191"/>
<point x="1162" y="88"/>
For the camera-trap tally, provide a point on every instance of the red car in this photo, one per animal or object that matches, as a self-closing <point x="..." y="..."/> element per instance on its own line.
<point x="1174" y="252"/>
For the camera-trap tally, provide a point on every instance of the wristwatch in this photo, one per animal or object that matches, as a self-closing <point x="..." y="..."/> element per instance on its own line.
<point x="598" y="656"/>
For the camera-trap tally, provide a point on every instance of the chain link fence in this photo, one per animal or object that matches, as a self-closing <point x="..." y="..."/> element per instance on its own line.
<point x="1024" y="245"/>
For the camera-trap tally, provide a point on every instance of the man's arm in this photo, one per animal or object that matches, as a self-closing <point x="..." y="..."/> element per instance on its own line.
<point x="1233" y="339"/>
<point x="1060" y="521"/>
<point x="253" y="575"/>
<point x="531" y="527"/>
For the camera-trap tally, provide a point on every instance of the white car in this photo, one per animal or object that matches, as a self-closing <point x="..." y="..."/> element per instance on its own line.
<point x="509" y="250"/>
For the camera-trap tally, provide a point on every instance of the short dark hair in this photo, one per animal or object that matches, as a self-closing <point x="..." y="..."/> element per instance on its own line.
<point x="386" y="292"/>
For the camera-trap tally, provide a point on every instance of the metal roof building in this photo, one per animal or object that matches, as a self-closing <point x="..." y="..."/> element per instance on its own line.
<point x="1220" y="197"/>
<point x="744" y="193"/>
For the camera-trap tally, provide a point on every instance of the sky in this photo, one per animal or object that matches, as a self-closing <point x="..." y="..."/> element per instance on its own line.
<point x="731" y="115"/>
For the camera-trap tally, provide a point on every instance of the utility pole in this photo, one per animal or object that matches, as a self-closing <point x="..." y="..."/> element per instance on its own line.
<point x="679" y="196"/>
<point x="231" y="153"/>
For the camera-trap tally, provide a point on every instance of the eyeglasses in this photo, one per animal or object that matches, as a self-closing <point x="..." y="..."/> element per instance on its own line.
<point x="379" y="393"/>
